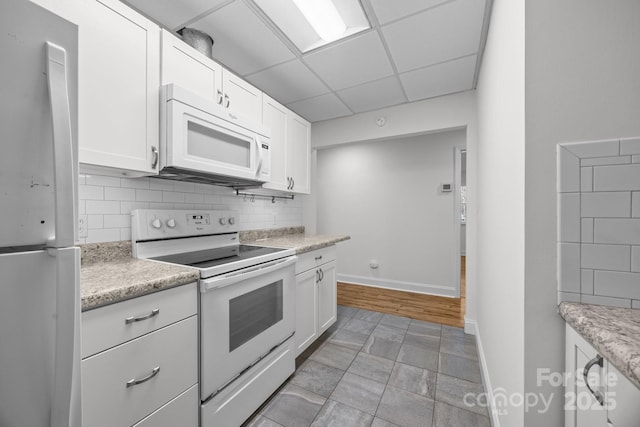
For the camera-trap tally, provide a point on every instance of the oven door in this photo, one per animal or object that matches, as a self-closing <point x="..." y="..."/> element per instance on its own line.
<point x="243" y="316"/>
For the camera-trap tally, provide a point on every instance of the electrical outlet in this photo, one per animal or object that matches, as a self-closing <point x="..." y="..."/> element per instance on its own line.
<point x="82" y="226"/>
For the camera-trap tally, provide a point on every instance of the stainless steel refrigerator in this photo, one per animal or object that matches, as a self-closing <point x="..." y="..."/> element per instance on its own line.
<point x="39" y="265"/>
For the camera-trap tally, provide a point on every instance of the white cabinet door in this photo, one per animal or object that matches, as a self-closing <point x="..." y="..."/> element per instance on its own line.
<point x="624" y="398"/>
<point x="298" y="153"/>
<point x="327" y="297"/>
<point x="274" y="117"/>
<point x="190" y="69"/>
<point x="241" y="98"/>
<point x="306" y="310"/>
<point x="581" y="407"/>
<point x="119" y="76"/>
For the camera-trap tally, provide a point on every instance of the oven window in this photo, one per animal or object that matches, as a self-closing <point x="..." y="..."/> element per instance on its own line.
<point x="209" y="143"/>
<point x="254" y="312"/>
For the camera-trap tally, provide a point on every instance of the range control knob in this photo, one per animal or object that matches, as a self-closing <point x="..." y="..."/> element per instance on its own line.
<point x="223" y="221"/>
<point x="171" y="223"/>
<point x="232" y="220"/>
<point x="156" y="224"/>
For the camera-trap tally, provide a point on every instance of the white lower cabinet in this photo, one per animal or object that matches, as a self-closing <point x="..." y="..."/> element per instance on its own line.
<point x="316" y="295"/>
<point x="150" y="378"/>
<point x="605" y="398"/>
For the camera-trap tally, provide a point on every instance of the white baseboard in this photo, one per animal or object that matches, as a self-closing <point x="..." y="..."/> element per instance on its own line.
<point x="397" y="285"/>
<point x="469" y="326"/>
<point x="486" y="380"/>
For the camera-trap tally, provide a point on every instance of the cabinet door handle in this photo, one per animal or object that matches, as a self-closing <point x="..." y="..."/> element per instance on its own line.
<point x="595" y="361"/>
<point x="317" y="276"/>
<point x="134" y="381"/>
<point x="132" y="319"/>
<point x="219" y="98"/>
<point x="293" y="183"/>
<point x="228" y="101"/>
<point x="156" y="157"/>
<point x="321" y="275"/>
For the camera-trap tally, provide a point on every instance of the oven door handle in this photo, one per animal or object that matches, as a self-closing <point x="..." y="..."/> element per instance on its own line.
<point x="245" y="274"/>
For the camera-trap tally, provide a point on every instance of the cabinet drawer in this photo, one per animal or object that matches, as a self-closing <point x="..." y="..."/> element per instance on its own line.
<point x="108" y="401"/>
<point x="181" y="411"/>
<point x="107" y="326"/>
<point x="313" y="259"/>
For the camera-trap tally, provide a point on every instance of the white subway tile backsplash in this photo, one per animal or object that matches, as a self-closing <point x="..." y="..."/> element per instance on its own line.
<point x="586" y="230"/>
<point x="635" y="204"/>
<point x="635" y="158"/>
<point x="605" y="148"/>
<point x="635" y="259"/>
<point x="635" y="304"/>
<point x="630" y="146"/>
<point x="568" y="173"/>
<point x="103" y="181"/>
<point x="602" y="161"/>
<point x="605" y="257"/>
<point x="606" y="204"/>
<point x="90" y="192"/>
<point x="569" y="266"/>
<point x="102" y="207"/>
<point x="586" y="180"/>
<point x="617" y="231"/>
<point x="610" y="301"/>
<point x="118" y="193"/>
<point x="617" y="284"/>
<point x="172" y="197"/>
<point x="616" y="178"/>
<point x="110" y="218"/>
<point x="148" y="195"/>
<point x="586" y="281"/>
<point x="569" y="217"/>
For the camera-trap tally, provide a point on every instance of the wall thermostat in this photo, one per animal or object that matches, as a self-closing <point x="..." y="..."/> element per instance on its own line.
<point x="446" y="188"/>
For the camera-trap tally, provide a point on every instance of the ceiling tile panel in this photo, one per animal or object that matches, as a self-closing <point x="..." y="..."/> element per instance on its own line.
<point x="173" y="14"/>
<point x="446" y="32"/>
<point x="387" y="11"/>
<point x="323" y="107"/>
<point x="288" y="82"/>
<point x="355" y="61"/>
<point x="441" y="79"/>
<point x="242" y="41"/>
<point x="374" y="95"/>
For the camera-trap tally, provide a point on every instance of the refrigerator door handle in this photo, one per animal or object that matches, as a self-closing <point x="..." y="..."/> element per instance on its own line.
<point x="67" y="342"/>
<point x="63" y="170"/>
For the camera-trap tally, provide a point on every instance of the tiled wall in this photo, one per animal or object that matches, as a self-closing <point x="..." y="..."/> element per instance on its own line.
<point x="106" y="202"/>
<point x="599" y="222"/>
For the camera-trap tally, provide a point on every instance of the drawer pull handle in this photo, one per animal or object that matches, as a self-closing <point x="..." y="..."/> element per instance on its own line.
<point x="153" y="313"/>
<point x="318" y="258"/>
<point x="134" y="381"/>
<point x="595" y="361"/>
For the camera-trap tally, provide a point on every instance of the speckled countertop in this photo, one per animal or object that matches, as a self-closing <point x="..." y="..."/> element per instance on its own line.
<point x="291" y="238"/>
<point x="109" y="274"/>
<point x="613" y="331"/>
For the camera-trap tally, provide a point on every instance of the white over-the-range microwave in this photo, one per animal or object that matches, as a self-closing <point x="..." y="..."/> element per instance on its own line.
<point x="202" y="141"/>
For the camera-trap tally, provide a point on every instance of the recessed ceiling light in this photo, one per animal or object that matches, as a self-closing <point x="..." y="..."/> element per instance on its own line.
<point x="310" y="24"/>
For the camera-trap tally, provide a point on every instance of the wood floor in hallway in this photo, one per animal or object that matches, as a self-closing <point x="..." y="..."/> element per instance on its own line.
<point x="447" y="311"/>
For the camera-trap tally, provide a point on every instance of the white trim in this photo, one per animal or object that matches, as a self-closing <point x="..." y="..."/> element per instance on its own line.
<point x="484" y="370"/>
<point x="399" y="285"/>
<point x="469" y="326"/>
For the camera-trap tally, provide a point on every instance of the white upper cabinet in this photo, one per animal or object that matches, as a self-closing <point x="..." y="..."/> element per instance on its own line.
<point x="241" y="98"/>
<point x="290" y="147"/>
<point x="119" y="80"/>
<point x="186" y="67"/>
<point x="190" y="69"/>
<point x="298" y="153"/>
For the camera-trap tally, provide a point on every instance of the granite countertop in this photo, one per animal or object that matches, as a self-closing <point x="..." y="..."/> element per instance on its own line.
<point x="109" y="274"/>
<point x="613" y="331"/>
<point x="291" y="238"/>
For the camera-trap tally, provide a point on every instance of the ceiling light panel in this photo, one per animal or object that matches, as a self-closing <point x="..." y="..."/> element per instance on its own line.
<point x="296" y="19"/>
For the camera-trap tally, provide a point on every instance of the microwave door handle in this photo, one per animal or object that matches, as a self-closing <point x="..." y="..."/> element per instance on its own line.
<point x="260" y="156"/>
<point x="63" y="170"/>
<point x="248" y="273"/>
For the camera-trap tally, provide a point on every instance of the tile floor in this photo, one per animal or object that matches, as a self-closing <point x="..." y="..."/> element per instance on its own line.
<point x="378" y="370"/>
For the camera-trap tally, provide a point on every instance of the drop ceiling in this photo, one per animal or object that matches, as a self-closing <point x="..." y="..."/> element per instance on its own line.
<point x="415" y="49"/>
